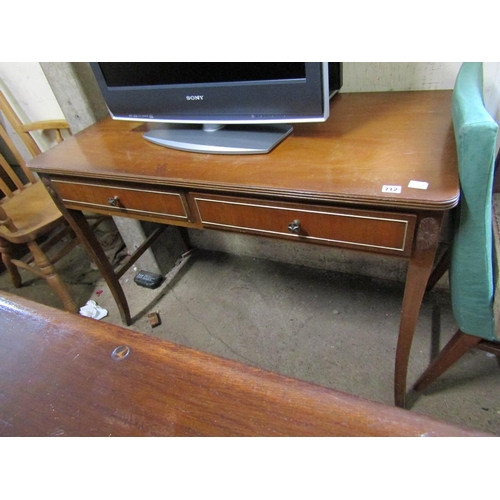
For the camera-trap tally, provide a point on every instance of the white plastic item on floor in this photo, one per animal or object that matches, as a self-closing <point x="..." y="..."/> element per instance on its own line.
<point x="92" y="310"/>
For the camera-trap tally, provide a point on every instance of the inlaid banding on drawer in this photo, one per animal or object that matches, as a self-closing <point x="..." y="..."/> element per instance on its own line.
<point x="123" y="199"/>
<point x="365" y="230"/>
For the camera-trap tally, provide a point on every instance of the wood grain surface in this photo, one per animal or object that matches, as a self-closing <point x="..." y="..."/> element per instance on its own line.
<point x="370" y="140"/>
<point x="62" y="375"/>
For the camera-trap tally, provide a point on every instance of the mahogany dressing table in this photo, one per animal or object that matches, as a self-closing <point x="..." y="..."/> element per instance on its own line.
<point x="378" y="176"/>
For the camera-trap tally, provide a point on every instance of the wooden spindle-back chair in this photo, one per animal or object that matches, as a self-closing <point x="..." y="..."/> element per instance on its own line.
<point x="27" y="212"/>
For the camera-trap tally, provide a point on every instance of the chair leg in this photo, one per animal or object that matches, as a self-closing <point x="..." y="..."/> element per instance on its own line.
<point x="53" y="279"/>
<point x="6" y="250"/>
<point x="452" y="352"/>
<point x="441" y="267"/>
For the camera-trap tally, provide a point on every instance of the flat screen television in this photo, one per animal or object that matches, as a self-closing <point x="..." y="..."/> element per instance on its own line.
<point x="224" y="108"/>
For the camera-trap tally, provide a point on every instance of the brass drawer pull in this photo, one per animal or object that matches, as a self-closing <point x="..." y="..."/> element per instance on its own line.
<point x="114" y="201"/>
<point x="294" y="226"/>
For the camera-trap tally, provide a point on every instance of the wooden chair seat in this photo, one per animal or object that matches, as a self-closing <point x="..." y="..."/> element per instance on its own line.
<point x="33" y="212"/>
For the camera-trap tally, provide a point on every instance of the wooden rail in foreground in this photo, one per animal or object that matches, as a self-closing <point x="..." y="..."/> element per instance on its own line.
<point x="67" y="375"/>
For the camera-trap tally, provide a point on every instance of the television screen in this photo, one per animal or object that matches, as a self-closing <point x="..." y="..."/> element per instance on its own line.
<point x="235" y="106"/>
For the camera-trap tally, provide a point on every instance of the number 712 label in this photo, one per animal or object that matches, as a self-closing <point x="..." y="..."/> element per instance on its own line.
<point x="391" y="189"/>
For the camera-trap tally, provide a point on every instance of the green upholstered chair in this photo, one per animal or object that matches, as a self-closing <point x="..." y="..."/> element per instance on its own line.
<point x="473" y="261"/>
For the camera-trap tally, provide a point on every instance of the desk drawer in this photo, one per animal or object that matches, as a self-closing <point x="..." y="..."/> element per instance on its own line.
<point x="369" y="230"/>
<point x="137" y="202"/>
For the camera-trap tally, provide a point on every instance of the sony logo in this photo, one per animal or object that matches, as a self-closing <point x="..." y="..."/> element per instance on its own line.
<point x="194" y="98"/>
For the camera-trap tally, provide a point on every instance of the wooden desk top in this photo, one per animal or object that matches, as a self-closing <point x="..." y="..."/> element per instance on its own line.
<point x="58" y="378"/>
<point x="370" y="140"/>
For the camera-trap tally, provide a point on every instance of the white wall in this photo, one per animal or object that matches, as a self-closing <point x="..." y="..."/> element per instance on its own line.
<point x="383" y="76"/>
<point x="28" y="85"/>
<point x="29" y="92"/>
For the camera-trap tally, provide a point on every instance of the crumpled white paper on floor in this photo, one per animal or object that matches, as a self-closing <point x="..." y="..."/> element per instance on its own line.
<point x="92" y="310"/>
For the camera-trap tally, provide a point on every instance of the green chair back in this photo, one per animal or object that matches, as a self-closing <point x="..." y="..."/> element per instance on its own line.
<point x="471" y="267"/>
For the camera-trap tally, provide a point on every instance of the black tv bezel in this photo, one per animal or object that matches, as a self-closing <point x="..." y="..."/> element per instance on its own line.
<point x="289" y="101"/>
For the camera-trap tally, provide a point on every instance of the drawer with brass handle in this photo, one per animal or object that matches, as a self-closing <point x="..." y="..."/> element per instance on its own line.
<point x="133" y="201"/>
<point x="370" y="230"/>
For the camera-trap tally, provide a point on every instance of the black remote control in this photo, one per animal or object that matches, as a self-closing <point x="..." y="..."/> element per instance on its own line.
<point x="148" y="280"/>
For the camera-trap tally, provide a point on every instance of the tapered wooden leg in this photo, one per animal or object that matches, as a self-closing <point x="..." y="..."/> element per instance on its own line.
<point x="53" y="279"/>
<point x="5" y="250"/>
<point x="452" y="352"/>
<point x="419" y="270"/>
<point x="87" y="238"/>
